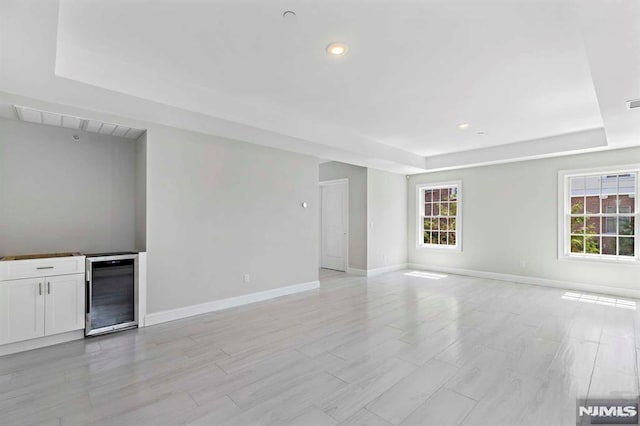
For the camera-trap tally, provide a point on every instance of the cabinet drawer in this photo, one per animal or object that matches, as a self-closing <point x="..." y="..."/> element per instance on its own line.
<point x="17" y="269"/>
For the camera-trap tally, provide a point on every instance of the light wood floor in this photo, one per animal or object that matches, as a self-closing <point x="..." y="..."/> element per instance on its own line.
<point x="330" y="273"/>
<point x="401" y="348"/>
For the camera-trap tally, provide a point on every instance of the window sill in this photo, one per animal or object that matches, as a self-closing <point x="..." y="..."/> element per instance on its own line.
<point x="439" y="247"/>
<point x="633" y="261"/>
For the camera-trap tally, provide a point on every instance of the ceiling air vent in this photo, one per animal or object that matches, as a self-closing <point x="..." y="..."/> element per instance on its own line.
<point x="633" y="104"/>
<point x="62" y="120"/>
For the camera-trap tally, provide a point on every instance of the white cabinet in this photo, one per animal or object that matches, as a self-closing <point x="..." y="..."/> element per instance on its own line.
<point x="22" y="310"/>
<point x="64" y="304"/>
<point x="41" y="306"/>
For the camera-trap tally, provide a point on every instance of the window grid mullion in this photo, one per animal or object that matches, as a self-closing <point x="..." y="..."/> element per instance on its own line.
<point x="439" y="233"/>
<point x="617" y="216"/>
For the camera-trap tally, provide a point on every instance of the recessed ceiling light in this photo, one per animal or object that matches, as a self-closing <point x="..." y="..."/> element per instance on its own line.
<point x="337" y="49"/>
<point x="463" y="126"/>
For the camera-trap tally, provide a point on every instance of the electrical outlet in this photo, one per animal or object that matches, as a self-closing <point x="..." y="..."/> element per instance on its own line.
<point x="247" y="278"/>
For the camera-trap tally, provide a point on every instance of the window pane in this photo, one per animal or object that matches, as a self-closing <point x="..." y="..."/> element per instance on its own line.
<point x="593" y="225"/>
<point x="443" y="238"/>
<point x="609" y="225"/>
<point x="436" y="209"/>
<point x="436" y="195"/>
<point x="626" y="246"/>
<point x="453" y="193"/>
<point x="444" y="209"/>
<point x="609" y="245"/>
<point x="577" y="225"/>
<point x="577" y="186"/>
<point x="627" y="204"/>
<point x="627" y="184"/>
<point x="626" y="225"/>
<point x="452" y="224"/>
<point x="452" y="238"/>
<point x="577" y="244"/>
<point x="592" y="245"/>
<point x="435" y="224"/>
<point x="427" y="237"/>
<point x="428" y="195"/>
<point x="577" y="205"/>
<point x="592" y="204"/>
<point x="609" y="185"/>
<point x="444" y="194"/>
<point x="427" y="209"/>
<point x="443" y="224"/>
<point x="453" y="209"/>
<point x="610" y="204"/>
<point x="428" y="224"/>
<point x="592" y="186"/>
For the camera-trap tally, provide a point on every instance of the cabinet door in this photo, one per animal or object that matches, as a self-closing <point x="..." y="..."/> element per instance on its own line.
<point x="64" y="308"/>
<point x="21" y="309"/>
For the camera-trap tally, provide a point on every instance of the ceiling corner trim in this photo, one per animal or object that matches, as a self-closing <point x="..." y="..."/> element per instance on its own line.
<point x="566" y="144"/>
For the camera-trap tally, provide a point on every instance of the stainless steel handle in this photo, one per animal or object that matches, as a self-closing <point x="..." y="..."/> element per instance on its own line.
<point x="48" y="288"/>
<point x="88" y="308"/>
<point x="45" y="267"/>
<point x="40" y="289"/>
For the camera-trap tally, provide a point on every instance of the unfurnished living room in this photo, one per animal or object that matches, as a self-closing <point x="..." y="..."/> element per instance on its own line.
<point x="299" y="212"/>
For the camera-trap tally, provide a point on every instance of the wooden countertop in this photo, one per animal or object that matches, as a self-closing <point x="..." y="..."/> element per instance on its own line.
<point x="39" y="256"/>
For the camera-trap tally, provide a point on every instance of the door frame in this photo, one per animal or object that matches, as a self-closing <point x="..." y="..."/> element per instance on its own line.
<point x="345" y="182"/>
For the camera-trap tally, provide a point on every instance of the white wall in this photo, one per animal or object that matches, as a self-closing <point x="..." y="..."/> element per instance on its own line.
<point x="510" y="213"/>
<point x="217" y="209"/>
<point x="141" y="194"/>
<point x="357" y="207"/>
<point x="387" y="219"/>
<point x="58" y="194"/>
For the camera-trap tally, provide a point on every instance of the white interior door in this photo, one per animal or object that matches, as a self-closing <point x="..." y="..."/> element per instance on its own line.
<point x="334" y="225"/>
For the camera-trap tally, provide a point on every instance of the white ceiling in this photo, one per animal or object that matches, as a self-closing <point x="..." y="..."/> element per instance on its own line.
<point x="516" y="70"/>
<point x="536" y="77"/>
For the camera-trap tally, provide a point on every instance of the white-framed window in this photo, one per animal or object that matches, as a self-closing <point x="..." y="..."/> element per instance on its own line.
<point x="598" y="214"/>
<point x="440" y="215"/>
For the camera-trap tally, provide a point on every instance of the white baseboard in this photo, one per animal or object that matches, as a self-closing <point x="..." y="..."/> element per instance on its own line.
<point x="385" y="269"/>
<point x="218" y="305"/>
<point x="41" y="342"/>
<point x="376" y="271"/>
<point x="523" y="279"/>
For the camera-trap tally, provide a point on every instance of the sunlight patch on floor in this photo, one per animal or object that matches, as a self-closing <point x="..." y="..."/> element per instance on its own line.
<point x="599" y="300"/>
<point x="429" y="275"/>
